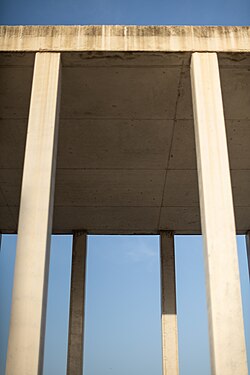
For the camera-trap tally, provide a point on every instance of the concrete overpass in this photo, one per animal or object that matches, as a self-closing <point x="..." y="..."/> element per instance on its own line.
<point x="132" y="111"/>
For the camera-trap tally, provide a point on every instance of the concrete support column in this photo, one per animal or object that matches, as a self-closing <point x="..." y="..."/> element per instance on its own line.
<point x="29" y="298"/>
<point x="77" y="301"/>
<point x="226" y="330"/>
<point x="248" y="251"/>
<point x="168" y="303"/>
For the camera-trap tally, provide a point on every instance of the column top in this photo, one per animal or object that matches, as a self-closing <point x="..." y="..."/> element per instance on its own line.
<point x="125" y="38"/>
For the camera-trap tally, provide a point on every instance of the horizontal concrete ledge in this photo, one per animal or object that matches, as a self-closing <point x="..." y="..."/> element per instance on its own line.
<point x="125" y="38"/>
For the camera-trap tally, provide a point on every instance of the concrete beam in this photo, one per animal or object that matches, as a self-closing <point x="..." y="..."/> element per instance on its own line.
<point x="248" y="251"/>
<point x="77" y="301"/>
<point x="125" y="38"/>
<point x="226" y="329"/>
<point x="29" y="300"/>
<point x="168" y="303"/>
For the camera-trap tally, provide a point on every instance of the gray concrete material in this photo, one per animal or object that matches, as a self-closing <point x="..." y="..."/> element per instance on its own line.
<point x="248" y="251"/>
<point x="13" y="136"/>
<point x="179" y="194"/>
<point x="8" y="219"/>
<point x="182" y="155"/>
<point x="168" y="305"/>
<point x="29" y="298"/>
<point x="2" y="199"/>
<point x="10" y="182"/>
<point x="238" y="133"/>
<point x="17" y="59"/>
<point x="118" y="59"/>
<point x="135" y="97"/>
<point x="77" y="304"/>
<point x="240" y="185"/>
<point x="235" y="91"/>
<point x="226" y="328"/>
<point x="15" y="84"/>
<point x="234" y="59"/>
<point x="114" y="144"/>
<point x="113" y="188"/>
<point x="242" y="218"/>
<point x="130" y="141"/>
<point x="185" y="220"/>
<point x="183" y="106"/>
<point x="107" y="220"/>
<point x="125" y="38"/>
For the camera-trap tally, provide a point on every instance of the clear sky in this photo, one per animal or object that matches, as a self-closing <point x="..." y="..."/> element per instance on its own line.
<point x="134" y="12"/>
<point x="123" y="301"/>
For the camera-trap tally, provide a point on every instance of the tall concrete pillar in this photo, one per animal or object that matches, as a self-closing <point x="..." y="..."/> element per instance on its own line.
<point x="226" y="329"/>
<point x="168" y="303"/>
<point x="248" y="251"/>
<point x="77" y="302"/>
<point x="29" y="297"/>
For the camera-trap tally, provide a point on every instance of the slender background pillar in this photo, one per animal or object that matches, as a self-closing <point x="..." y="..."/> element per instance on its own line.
<point x="77" y="302"/>
<point x="168" y="303"/>
<point x="248" y="251"/>
<point x="226" y="329"/>
<point x="29" y="297"/>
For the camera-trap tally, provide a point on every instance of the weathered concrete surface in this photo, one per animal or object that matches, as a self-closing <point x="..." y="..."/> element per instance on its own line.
<point x="125" y="38"/>
<point x="170" y="365"/>
<point x="126" y="157"/>
<point x="226" y="329"/>
<point x="29" y="298"/>
<point x="77" y="305"/>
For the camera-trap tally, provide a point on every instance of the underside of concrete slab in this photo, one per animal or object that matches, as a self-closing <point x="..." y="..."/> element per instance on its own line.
<point x="126" y="160"/>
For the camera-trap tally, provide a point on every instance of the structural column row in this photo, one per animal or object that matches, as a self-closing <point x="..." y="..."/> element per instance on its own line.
<point x="27" y="327"/>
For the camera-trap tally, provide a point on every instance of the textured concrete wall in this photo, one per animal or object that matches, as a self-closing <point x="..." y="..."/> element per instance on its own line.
<point x="125" y="38"/>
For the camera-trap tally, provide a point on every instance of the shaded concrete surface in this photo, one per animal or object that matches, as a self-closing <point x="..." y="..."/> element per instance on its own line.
<point x="126" y="157"/>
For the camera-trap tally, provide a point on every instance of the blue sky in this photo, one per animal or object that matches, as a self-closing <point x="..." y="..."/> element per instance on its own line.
<point x="123" y="301"/>
<point x="134" y="12"/>
<point x="122" y="334"/>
